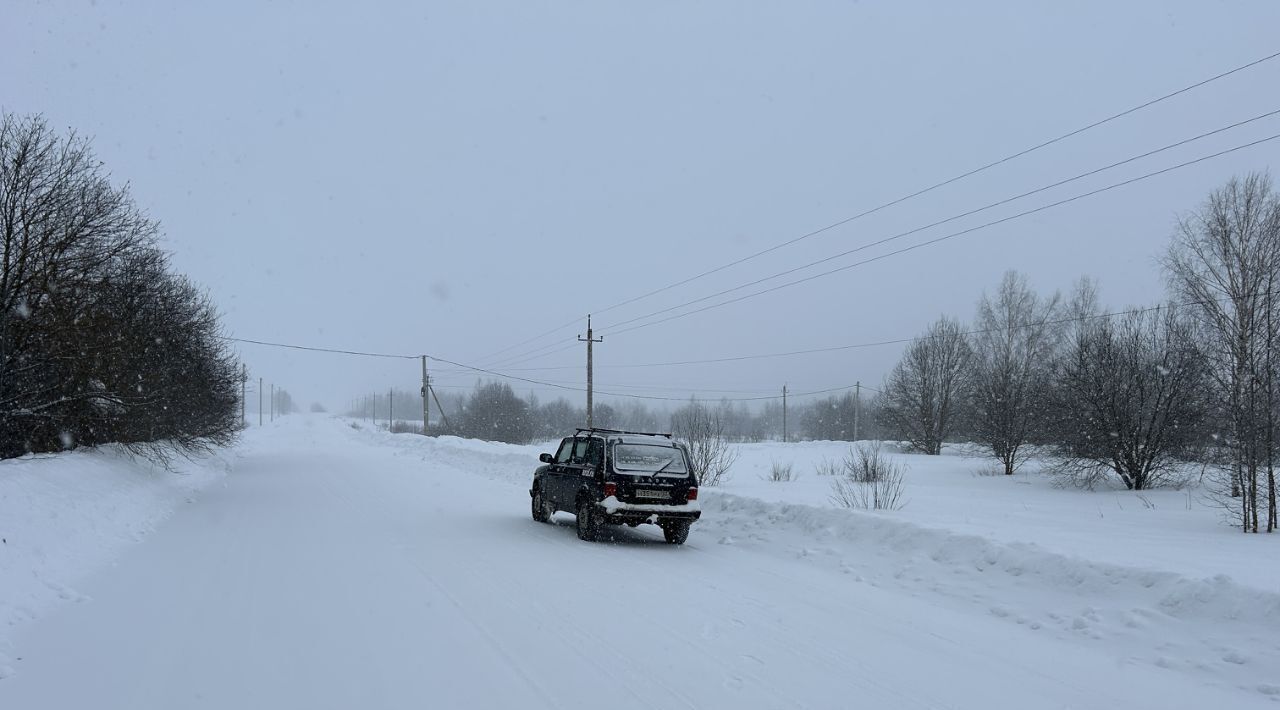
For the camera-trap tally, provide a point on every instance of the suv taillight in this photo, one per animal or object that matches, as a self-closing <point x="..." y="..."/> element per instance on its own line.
<point x="693" y="494"/>
<point x="610" y="489"/>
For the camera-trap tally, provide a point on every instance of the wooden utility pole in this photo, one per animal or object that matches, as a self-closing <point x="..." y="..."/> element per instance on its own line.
<point x="784" y="414"/>
<point x="589" y="341"/>
<point x="857" y="407"/>
<point x="426" y="415"/>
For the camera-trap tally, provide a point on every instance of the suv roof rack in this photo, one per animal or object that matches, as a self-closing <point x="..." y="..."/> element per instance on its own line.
<point x="597" y="429"/>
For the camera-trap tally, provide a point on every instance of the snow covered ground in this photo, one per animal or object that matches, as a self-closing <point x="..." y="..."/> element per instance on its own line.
<point x="324" y="566"/>
<point x="62" y="517"/>
<point x="1162" y="530"/>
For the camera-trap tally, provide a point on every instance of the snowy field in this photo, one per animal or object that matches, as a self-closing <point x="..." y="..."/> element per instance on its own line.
<point x="325" y="566"/>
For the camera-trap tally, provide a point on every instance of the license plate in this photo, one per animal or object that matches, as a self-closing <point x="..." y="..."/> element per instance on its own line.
<point x="657" y="495"/>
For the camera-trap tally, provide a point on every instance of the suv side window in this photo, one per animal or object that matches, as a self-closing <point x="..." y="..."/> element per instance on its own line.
<point x="566" y="448"/>
<point x="580" y="451"/>
<point x="595" y="453"/>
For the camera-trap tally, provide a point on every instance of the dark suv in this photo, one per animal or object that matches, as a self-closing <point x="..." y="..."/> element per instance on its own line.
<point x="615" y="477"/>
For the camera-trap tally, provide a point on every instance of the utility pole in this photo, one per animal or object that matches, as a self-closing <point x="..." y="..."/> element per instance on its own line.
<point x="589" y="341"/>
<point x="443" y="416"/>
<point x="244" y="390"/>
<point x="784" y="414"/>
<point x="259" y="401"/>
<point x="425" y="383"/>
<point x="857" y="407"/>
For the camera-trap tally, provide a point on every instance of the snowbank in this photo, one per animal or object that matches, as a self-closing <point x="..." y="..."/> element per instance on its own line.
<point x="64" y="516"/>
<point x="947" y="561"/>
<point x="1161" y="530"/>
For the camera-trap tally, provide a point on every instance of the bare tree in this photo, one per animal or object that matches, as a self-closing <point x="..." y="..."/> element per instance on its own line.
<point x="495" y="413"/>
<point x="1226" y="258"/>
<point x="1272" y="364"/>
<point x="62" y="226"/>
<point x="925" y="392"/>
<point x="99" y="340"/>
<point x="702" y="430"/>
<point x="1012" y="351"/>
<point x="1130" y="394"/>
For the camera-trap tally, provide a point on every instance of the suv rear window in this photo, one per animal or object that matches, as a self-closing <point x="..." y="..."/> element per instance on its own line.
<point x="646" y="457"/>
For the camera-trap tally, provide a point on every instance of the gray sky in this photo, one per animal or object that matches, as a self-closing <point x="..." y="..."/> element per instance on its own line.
<point x="456" y="178"/>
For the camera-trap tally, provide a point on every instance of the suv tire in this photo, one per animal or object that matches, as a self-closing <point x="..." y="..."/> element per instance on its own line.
<point x="676" y="531"/>
<point x="541" y="511"/>
<point x="588" y="522"/>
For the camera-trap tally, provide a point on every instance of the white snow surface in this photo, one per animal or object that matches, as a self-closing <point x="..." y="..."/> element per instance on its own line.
<point x="64" y="516"/>
<point x="320" y="565"/>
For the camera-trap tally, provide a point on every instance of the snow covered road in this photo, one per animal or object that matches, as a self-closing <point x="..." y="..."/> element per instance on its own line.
<point x="328" y="571"/>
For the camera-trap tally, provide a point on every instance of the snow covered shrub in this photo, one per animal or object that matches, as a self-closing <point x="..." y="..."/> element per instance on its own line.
<point x="827" y="467"/>
<point x="702" y="430"/>
<point x="990" y="470"/>
<point x="866" y="463"/>
<point x="400" y="427"/>
<point x="869" y="480"/>
<point x="781" y="472"/>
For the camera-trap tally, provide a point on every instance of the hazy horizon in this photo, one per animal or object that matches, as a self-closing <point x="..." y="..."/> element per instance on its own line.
<point x="456" y="180"/>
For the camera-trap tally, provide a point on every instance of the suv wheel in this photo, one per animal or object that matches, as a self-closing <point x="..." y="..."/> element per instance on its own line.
<point x="541" y="511"/>
<point x="588" y="522"/>
<point x="676" y="531"/>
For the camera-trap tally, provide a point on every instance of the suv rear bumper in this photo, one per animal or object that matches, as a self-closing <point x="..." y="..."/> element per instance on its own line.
<point x="640" y="517"/>
<point x="615" y="511"/>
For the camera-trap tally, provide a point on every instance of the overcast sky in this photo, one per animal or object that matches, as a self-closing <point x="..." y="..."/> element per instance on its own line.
<point x="455" y="178"/>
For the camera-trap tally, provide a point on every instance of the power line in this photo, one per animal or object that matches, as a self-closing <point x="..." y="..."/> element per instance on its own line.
<point x="556" y="386"/>
<point x="529" y="340"/>
<point x="551" y="349"/>
<point x="900" y="341"/>
<point x="931" y="242"/>
<point x="619" y="394"/>
<point x="917" y="193"/>
<point x="557" y="347"/>
<point x="955" y="217"/>
<point x="321" y="350"/>
<point x="653" y="388"/>
<point x="469" y="368"/>
<point x="948" y="181"/>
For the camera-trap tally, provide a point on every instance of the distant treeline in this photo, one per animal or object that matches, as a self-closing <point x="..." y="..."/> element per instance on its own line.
<point x="494" y="411"/>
